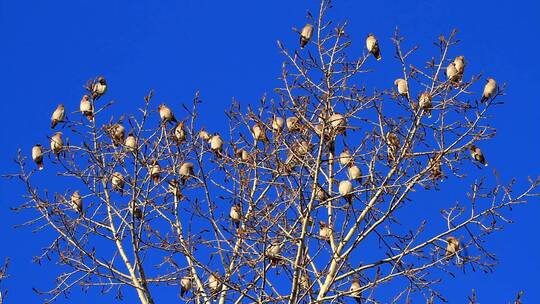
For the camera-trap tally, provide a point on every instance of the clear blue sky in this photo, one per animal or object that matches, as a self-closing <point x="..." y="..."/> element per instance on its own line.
<point x="225" y="50"/>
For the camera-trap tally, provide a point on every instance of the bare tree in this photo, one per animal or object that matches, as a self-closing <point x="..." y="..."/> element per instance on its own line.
<point x="283" y="207"/>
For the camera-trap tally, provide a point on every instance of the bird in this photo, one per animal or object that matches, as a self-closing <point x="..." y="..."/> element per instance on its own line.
<point x="435" y="165"/>
<point x="166" y="114"/>
<point x="118" y="133"/>
<point x="185" y="285"/>
<point x="57" y="116"/>
<point x="243" y="155"/>
<point x="57" y="143"/>
<point x="174" y="189"/>
<point x="204" y="135"/>
<point x="452" y="247"/>
<point x="373" y="46"/>
<point x="37" y="155"/>
<point x="477" y="155"/>
<point x="345" y="157"/>
<point x="355" y="289"/>
<point x="179" y="132"/>
<point x="452" y="74"/>
<point x="236" y="214"/>
<point x="277" y="124"/>
<point x="216" y="144"/>
<point x="186" y="171"/>
<point x="489" y="89"/>
<point x="155" y="171"/>
<point x="118" y="182"/>
<point x="76" y="201"/>
<point x="259" y="133"/>
<point x="131" y="142"/>
<point x="424" y="101"/>
<point x="355" y="174"/>
<point x="99" y="87"/>
<point x="459" y="63"/>
<point x="324" y="231"/>
<point x="274" y="253"/>
<point x="393" y="146"/>
<point x="338" y="123"/>
<point x="136" y="210"/>
<point x="320" y="194"/>
<point x="293" y="124"/>
<point x="402" y="86"/>
<point x="303" y="280"/>
<point x="305" y="35"/>
<point x="214" y="283"/>
<point x="345" y="189"/>
<point x="86" y="107"/>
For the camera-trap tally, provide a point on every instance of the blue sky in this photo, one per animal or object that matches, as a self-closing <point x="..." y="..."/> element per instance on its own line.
<point x="228" y="50"/>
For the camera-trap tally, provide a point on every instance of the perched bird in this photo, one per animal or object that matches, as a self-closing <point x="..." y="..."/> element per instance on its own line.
<point x="136" y="210"/>
<point x="57" y="116"/>
<point x="186" y="171"/>
<point x="338" y="123"/>
<point x="204" y="135"/>
<point x="459" y="63"/>
<point x="424" y="102"/>
<point x="320" y="194"/>
<point x="175" y="190"/>
<point x="345" y="158"/>
<point x="243" y="155"/>
<point x="435" y="168"/>
<point x="303" y="280"/>
<point x="355" y="174"/>
<point x="277" y="124"/>
<point x="274" y="253"/>
<point x="166" y="114"/>
<point x="293" y="124"/>
<point x="402" y="86"/>
<point x="185" y="285"/>
<point x="37" y="155"/>
<point x="57" y="143"/>
<point x="216" y="144"/>
<point x="131" y="142"/>
<point x="155" y="171"/>
<point x="489" y="89"/>
<point x="452" y="247"/>
<point x="76" y="201"/>
<point x="393" y="146"/>
<point x="452" y="74"/>
<point x="236" y="214"/>
<point x="345" y="189"/>
<point x="477" y="155"/>
<point x="86" y="107"/>
<point x="118" y="182"/>
<point x="373" y="46"/>
<point x="305" y="35"/>
<point x="324" y="231"/>
<point x="99" y="87"/>
<point x="214" y="283"/>
<point x="355" y="289"/>
<point x="118" y="133"/>
<point x="259" y="133"/>
<point x="180" y="133"/>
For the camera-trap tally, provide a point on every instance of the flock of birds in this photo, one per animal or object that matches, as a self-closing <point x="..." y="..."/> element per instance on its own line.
<point x="97" y="88"/>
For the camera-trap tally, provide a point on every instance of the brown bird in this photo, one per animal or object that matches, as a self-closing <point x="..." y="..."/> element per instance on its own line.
<point x="355" y="289"/>
<point x="489" y="89"/>
<point x="259" y="133"/>
<point x="355" y="173"/>
<point x="477" y="155"/>
<point x="345" y="189"/>
<point x="324" y="231"/>
<point x="136" y="210"/>
<point x="274" y="253"/>
<point x="118" y="133"/>
<point x="277" y="124"/>
<point x="37" y="155"/>
<point x="452" y="74"/>
<point x="131" y="142"/>
<point x="402" y="86"/>
<point x="293" y="124"/>
<point x="214" y="283"/>
<point x="338" y="123"/>
<point x="179" y="132"/>
<point x="216" y="144"/>
<point x="424" y="102"/>
<point x="76" y="202"/>
<point x="175" y="190"/>
<point x="459" y="63"/>
<point x="57" y="116"/>
<point x="305" y="35"/>
<point x="185" y="285"/>
<point x="166" y="114"/>
<point x="452" y="247"/>
<point x="236" y="214"/>
<point x="118" y="182"/>
<point x="320" y="194"/>
<point x="373" y="46"/>
<point x="86" y="107"/>
<point x="186" y="171"/>
<point x="303" y="280"/>
<point x="155" y="171"/>
<point x="204" y="135"/>
<point x="243" y="155"/>
<point x="393" y="146"/>
<point x="57" y="143"/>
<point x="435" y="171"/>
<point x="345" y="158"/>
<point x="99" y="87"/>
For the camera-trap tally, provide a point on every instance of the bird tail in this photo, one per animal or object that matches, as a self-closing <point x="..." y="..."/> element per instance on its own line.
<point x="155" y="178"/>
<point x="377" y="54"/>
<point x="358" y="300"/>
<point x="182" y="292"/>
<point x="237" y="224"/>
<point x="40" y="166"/>
<point x="89" y="115"/>
<point x="484" y="98"/>
<point x="303" y="42"/>
<point x="54" y="123"/>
